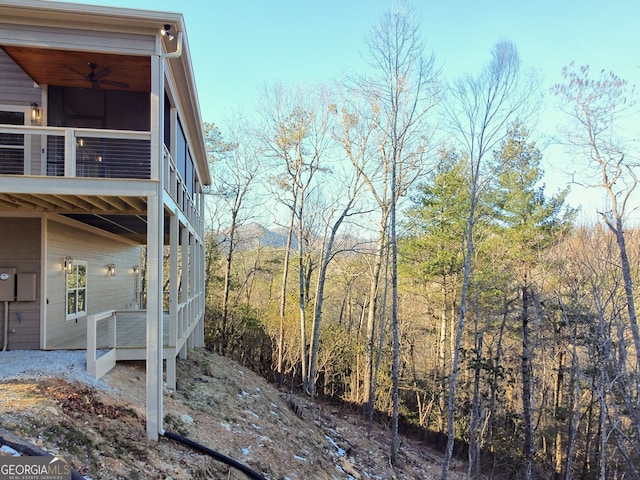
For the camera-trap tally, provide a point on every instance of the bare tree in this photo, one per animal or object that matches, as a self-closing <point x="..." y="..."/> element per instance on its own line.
<point x="480" y="110"/>
<point x="235" y="169"/>
<point x="335" y="213"/>
<point x="399" y="93"/>
<point x="598" y="109"/>
<point x="295" y="135"/>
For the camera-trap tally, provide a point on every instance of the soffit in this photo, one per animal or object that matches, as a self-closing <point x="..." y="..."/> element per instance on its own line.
<point x="65" y="68"/>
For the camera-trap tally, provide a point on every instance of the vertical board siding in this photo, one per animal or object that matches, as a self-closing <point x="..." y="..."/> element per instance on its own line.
<point x="103" y="291"/>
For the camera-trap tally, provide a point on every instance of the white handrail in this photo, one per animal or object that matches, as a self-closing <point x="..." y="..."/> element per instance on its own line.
<point x="99" y="366"/>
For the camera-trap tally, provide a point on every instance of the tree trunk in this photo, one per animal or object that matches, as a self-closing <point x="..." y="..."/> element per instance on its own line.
<point x="441" y="370"/>
<point x="302" y="305"/>
<point x="628" y="286"/>
<point x="283" y="302"/>
<point x="227" y="284"/>
<point x="558" y="404"/>
<point x="369" y="391"/>
<point x="319" y="297"/>
<point x="473" y="467"/>
<point x="466" y="277"/>
<point x="394" y="318"/>
<point x="527" y="399"/>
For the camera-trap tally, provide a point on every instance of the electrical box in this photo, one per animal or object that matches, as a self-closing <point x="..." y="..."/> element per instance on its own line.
<point x="7" y="284"/>
<point x="26" y="287"/>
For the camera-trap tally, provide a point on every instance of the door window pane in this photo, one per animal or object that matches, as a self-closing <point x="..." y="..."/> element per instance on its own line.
<point x="11" y="144"/>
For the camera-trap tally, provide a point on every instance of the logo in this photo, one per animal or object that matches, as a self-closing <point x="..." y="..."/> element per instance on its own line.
<point x="34" y="468"/>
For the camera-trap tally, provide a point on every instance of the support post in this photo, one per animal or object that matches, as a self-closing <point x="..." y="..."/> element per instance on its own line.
<point x="155" y="244"/>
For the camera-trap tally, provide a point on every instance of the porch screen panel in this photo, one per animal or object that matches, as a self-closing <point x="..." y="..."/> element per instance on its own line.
<point x="189" y="181"/>
<point x="181" y="152"/>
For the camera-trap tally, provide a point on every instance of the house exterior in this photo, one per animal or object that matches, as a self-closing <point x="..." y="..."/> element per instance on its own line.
<point x="102" y="171"/>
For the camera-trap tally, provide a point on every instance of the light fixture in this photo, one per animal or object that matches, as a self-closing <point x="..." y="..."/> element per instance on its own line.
<point x="166" y="31"/>
<point x="98" y="158"/>
<point x="68" y="264"/>
<point x="80" y="142"/>
<point x="136" y="270"/>
<point x="111" y="269"/>
<point x="36" y="113"/>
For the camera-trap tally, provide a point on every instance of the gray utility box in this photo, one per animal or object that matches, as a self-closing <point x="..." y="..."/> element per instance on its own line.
<point x="7" y="284"/>
<point x="26" y="287"/>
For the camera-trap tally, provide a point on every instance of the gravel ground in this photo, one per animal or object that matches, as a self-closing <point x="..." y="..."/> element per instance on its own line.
<point x="70" y="365"/>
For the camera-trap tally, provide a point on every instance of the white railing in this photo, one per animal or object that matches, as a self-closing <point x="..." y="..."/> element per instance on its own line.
<point x="91" y="152"/>
<point x="99" y="366"/>
<point x="180" y="329"/>
<point x="74" y="152"/>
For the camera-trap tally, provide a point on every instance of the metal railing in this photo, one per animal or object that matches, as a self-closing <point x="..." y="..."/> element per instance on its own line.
<point x="74" y="152"/>
<point x="92" y="153"/>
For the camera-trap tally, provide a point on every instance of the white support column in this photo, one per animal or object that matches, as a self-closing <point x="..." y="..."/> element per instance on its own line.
<point x="155" y="244"/>
<point x="201" y="301"/>
<point x="184" y="241"/>
<point x="69" y="153"/>
<point x="174" y="282"/>
<point x="193" y="288"/>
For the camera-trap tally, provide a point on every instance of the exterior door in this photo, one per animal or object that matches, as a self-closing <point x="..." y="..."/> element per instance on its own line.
<point x="13" y="146"/>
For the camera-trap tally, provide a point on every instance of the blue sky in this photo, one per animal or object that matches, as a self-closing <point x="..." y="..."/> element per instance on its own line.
<point x="239" y="45"/>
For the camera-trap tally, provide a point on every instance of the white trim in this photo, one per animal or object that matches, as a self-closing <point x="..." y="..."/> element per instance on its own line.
<point x="155" y="243"/>
<point x="44" y="235"/>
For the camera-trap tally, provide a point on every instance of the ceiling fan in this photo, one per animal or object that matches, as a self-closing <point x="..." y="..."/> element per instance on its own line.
<point x="97" y="78"/>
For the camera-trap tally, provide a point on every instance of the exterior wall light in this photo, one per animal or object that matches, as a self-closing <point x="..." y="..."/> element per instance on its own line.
<point x="36" y="113"/>
<point x="68" y="264"/>
<point x="111" y="269"/>
<point x="166" y="31"/>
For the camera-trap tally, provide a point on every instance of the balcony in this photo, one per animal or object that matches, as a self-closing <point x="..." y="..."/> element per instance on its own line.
<point x="57" y="152"/>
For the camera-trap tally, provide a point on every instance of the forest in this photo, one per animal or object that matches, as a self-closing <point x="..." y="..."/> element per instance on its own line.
<point x="387" y="242"/>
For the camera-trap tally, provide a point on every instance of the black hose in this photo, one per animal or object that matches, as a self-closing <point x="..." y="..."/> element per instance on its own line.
<point x="11" y="440"/>
<point x="217" y="455"/>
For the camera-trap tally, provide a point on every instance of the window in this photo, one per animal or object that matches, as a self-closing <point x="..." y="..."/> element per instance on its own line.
<point x="77" y="290"/>
<point x="12" y="145"/>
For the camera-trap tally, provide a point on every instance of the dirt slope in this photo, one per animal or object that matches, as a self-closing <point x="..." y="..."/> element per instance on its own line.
<point x="218" y="404"/>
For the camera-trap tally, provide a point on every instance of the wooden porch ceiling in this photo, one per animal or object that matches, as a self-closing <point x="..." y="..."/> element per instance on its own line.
<point x="66" y="68"/>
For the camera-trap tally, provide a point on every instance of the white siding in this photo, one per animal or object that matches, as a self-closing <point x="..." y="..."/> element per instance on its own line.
<point x="103" y="291"/>
<point x="18" y="89"/>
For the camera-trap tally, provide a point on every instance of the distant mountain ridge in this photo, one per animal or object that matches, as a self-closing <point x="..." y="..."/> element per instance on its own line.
<point x="254" y="235"/>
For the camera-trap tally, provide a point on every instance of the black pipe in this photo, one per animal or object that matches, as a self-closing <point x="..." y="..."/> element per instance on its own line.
<point x="11" y="440"/>
<point x="217" y="455"/>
